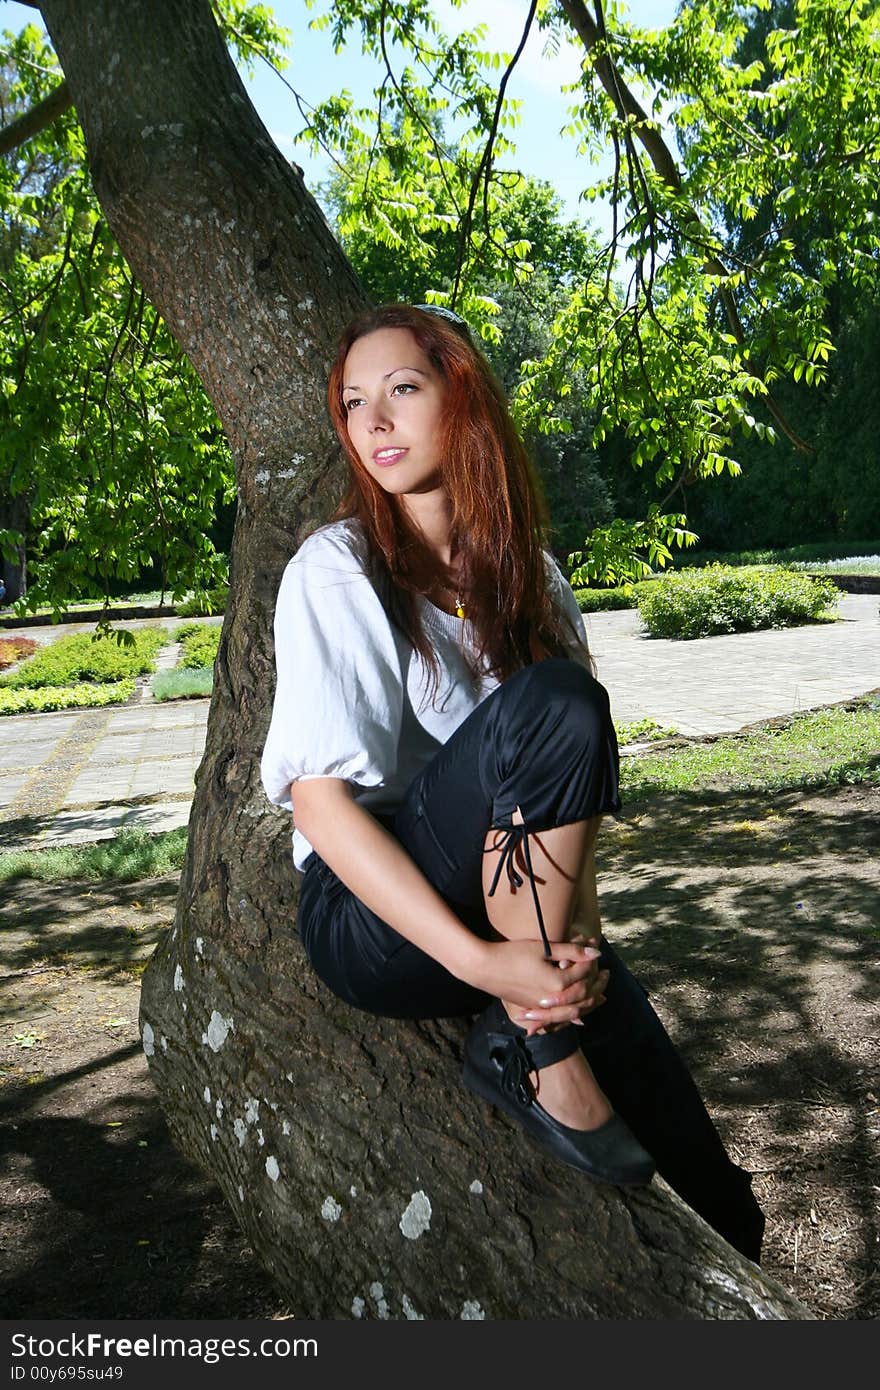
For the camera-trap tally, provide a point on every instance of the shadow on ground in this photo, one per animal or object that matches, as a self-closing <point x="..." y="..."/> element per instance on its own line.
<point x="752" y="921"/>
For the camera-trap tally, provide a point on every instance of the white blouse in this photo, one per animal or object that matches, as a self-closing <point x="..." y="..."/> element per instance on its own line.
<point x="352" y="698"/>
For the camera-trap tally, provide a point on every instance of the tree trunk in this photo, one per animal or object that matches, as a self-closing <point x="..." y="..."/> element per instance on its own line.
<point x="15" y="516"/>
<point x="368" y="1181"/>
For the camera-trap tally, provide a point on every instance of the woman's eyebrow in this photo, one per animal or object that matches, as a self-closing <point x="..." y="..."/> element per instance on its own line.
<point x="387" y="375"/>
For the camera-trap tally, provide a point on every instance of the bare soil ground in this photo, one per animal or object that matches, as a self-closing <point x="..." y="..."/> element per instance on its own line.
<point x="754" y="922"/>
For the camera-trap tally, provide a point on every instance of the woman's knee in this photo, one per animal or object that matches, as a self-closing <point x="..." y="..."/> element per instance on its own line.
<point x="563" y="695"/>
<point x="551" y="748"/>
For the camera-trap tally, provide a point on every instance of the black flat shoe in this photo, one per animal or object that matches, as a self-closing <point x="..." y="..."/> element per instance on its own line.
<point x="498" y="1057"/>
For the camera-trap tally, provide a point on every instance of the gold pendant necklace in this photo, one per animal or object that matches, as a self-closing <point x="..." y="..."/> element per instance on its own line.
<point x="459" y="607"/>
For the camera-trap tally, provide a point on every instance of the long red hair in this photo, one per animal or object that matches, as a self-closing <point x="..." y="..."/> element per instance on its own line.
<point x="499" y="515"/>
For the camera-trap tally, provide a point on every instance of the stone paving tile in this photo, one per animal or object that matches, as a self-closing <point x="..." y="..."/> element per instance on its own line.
<point x="25" y="754"/>
<point x="38" y="728"/>
<point x="73" y="827"/>
<point x="10" y="785"/>
<point x="81" y="827"/>
<point x="93" y="788"/>
<point x="159" y="815"/>
<point x="718" y="684"/>
<point x="118" y="748"/>
<point x="162" y="777"/>
<point x="712" y="686"/>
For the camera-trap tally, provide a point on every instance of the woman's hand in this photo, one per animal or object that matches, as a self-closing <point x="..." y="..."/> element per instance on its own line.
<point x="518" y="972"/>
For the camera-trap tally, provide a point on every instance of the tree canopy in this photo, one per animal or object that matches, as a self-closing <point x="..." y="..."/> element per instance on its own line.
<point x="743" y="254"/>
<point x="112" y="460"/>
<point x="732" y="234"/>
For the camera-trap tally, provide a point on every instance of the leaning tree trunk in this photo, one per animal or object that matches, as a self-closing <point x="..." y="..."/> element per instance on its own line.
<point x="368" y="1181"/>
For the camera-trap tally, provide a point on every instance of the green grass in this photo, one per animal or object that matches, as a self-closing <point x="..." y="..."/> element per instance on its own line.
<point x="130" y="855"/>
<point x="642" y="731"/>
<point x="826" y="747"/>
<point x="857" y="564"/>
<point x="815" y="551"/>
<point x="82" y="657"/>
<point x="56" y="697"/>
<point x="186" y="684"/>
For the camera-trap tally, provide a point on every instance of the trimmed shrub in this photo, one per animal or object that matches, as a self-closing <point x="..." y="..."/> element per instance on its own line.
<point x="80" y="657"/>
<point x="186" y="684"/>
<point x="200" y="642"/>
<point x="607" y="600"/>
<point x="604" y="600"/>
<point x="205" y="605"/>
<point x="719" y="599"/>
<point x="54" y="697"/>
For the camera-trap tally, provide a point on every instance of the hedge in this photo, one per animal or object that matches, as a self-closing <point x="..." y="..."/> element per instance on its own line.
<point x="807" y="554"/>
<point x="720" y="599"/>
<point x="200" y="642"/>
<point x="80" y="657"/>
<point x="205" y="605"/>
<point x="54" y="697"/>
<point x="606" y="600"/>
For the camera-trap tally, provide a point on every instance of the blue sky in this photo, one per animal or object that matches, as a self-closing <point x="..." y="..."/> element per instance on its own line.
<point x="315" y="71"/>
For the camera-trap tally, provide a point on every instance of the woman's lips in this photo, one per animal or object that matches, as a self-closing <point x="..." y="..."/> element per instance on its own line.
<point x="384" y="458"/>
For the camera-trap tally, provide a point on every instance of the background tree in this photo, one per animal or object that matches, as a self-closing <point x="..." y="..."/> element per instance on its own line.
<point x="734" y="269"/>
<point x="112" y="461"/>
<point x="334" y="1136"/>
<point x="831" y="492"/>
<point x="683" y="330"/>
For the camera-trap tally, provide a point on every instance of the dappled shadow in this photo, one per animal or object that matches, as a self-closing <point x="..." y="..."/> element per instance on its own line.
<point x="741" y="925"/>
<point x="18" y="1099"/>
<point x="18" y="832"/>
<point x="744" y="917"/>
<point x="123" y="1226"/>
<point x="89" y="823"/>
<point x="84" y="924"/>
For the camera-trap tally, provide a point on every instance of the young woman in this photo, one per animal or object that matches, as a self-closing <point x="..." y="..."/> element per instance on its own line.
<point x="448" y="755"/>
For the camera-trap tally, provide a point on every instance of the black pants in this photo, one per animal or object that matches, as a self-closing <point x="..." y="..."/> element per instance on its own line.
<point x="543" y="741"/>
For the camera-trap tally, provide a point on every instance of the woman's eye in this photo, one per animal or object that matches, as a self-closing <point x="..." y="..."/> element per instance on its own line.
<point x="405" y="385"/>
<point x="352" y="400"/>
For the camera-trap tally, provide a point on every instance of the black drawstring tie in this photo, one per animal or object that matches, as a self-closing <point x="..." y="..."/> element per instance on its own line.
<point x="512" y="1056"/>
<point x="515" y="835"/>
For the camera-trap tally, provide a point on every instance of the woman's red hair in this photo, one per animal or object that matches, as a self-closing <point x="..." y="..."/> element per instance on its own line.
<point x="498" y="513"/>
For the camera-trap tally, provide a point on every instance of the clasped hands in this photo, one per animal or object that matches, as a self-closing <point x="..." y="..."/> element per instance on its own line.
<point x="518" y="972"/>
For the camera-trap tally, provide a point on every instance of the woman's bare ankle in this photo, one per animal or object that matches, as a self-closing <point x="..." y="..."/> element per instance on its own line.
<point x="569" y="1091"/>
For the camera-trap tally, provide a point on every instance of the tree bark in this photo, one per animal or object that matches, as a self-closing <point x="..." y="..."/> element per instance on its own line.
<point x="367" y="1180"/>
<point x="31" y="122"/>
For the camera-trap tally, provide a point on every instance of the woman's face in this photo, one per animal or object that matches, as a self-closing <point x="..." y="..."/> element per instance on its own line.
<point x="394" y="399"/>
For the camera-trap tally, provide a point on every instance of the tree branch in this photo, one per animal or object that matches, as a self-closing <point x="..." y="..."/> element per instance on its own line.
<point x="484" y="167"/>
<point x="627" y="106"/>
<point x="36" y="119"/>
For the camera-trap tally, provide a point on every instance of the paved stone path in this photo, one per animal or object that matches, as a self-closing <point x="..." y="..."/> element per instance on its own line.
<point x="718" y="684"/>
<point x="80" y="775"/>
